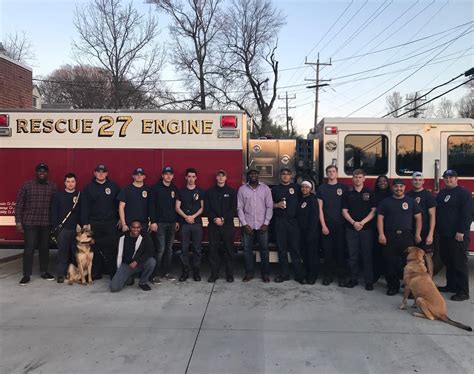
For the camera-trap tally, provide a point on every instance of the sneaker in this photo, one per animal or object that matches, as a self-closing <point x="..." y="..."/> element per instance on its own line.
<point x="445" y="289"/>
<point x="247" y="278"/>
<point x="327" y="281"/>
<point x="301" y="280"/>
<point x="156" y="280"/>
<point x="351" y="283"/>
<point x="183" y="277"/>
<point x="170" y="277"/>
<point x="392" y="292"/>
<point x="311" y="281"/>
<point x="460" y="297"/>
<point x="213" y="278"/>
<point x="229" y="278"/>
<point x="281" y="278"/>
<point x="47" y="276"/>
<point x="145" y="287"/>
<point x="60" y="279"/>
<point x="369" y="287"/>
<point x="25" y="280"/>
<point x="265" y="279"/>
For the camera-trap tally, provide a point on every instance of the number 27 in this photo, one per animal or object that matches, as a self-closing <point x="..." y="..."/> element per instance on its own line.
<point x="106" y="122"/>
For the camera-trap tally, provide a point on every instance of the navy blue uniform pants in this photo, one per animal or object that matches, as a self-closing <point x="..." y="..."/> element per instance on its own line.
<point x="454" y="256"/>
<point x="288" y="240"/>
<point x="395" y="256"/>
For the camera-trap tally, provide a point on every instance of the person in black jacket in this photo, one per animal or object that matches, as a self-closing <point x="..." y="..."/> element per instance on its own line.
<point x="63" y="203"/>
<point x="99" y="212"/>
<point x="134" y="256"/>
<point x="164" y="223"/>
<point x="307" y="215"/>
<point x="221" y="207"/>
<point x="453" y="222"/>
<point x="285" y="202"/>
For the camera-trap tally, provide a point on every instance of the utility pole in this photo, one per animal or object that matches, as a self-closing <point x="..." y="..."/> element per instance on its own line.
<point x="416" y="100"/>
<point x="287" y="99"/>
<point x="318" y="85"/>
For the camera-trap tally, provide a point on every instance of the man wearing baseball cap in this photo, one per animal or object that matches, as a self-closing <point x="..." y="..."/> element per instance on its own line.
<point x="32" y="217"/>
<point x="427" y="203"/>
<point x="453" y="221"/>
<point x="99" y="212"/>
<point x="164" y="223"/>
<point x="395" y="225"/>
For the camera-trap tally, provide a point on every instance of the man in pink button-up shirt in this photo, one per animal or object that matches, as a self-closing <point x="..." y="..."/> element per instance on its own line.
<point x="255" y="210"/>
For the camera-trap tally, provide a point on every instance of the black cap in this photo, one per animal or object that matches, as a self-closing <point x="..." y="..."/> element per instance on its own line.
<point x="285" y="169"/>
<point x="101" y="167"/>
<point x="398" y="181"/>
<point x="139" y="171"/>
<point x="40" y="166"/>
<point x="253" y="169"/>
<point x="450" y="173"/>
<point x="221" y="171"/>
<point x="167" y="169"/>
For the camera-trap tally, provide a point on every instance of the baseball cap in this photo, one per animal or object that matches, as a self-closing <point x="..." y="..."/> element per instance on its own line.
<point x="450" y="173"/>
<point x="285" y="169"/>
<point x="101" y="167"/>
<point x="139" y="171"/>
<point x="398" y="181"/>
<point x="253" y="170"/>
<point x="417" y="174"/>
<point x="40" y="166"/>
<point x="221" y="171"/>
<point x="167" y="169"/>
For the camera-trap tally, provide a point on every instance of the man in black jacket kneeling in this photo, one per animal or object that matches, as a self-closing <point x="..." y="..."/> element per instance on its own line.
<point x="135" y="255"/>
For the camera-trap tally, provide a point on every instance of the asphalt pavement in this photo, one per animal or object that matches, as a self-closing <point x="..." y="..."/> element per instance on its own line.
<point x="248" y="328"/>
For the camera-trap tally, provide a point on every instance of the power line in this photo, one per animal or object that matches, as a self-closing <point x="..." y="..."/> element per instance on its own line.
<point x="408" y="76"/>
<point x="436" y="97"/>
<point x="426" y="94"/>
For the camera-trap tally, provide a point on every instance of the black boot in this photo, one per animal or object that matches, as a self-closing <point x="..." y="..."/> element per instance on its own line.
<point x="184" y="274"/>
<point x="196" y="275"/>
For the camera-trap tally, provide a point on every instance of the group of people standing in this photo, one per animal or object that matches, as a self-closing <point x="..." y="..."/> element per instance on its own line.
<point x="361" y="233"/>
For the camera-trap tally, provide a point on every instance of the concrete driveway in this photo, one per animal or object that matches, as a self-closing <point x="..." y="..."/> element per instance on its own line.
<point x="240" y="328"/>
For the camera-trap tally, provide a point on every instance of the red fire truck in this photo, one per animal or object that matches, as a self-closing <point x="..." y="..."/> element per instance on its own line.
<point x="209" y="140"/>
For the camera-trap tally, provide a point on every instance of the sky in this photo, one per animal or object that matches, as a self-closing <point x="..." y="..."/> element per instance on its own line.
<point x="407" y="46"/>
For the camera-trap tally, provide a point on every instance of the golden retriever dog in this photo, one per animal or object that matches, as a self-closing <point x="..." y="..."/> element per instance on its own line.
<point x="84" y="256"/>
<point x="427" y="297"/>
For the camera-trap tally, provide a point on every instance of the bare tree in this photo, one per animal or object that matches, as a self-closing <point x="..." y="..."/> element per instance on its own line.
<point x="122" y="41"/>
<point x="445" y="108"/>
<point x="248" y="49"/>
<point x="394" y="101"/>
<point x="195" y="24"/>
<point x="465" y="106"/>
<point x="18" y="47"/>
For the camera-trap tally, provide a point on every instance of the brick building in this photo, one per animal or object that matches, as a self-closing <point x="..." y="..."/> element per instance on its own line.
<point x="16" y="85"/>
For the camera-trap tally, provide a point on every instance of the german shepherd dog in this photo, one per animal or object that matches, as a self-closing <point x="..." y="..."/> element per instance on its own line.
<point x="427" y="297"/>
<point x="84" y="257"/>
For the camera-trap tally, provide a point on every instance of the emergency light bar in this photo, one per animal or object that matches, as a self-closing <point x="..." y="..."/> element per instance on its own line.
<point x="4" y="120"/>
<point x="229" y="122"/>
<point x="330" y="130"/>
<point x="5" y="129"/>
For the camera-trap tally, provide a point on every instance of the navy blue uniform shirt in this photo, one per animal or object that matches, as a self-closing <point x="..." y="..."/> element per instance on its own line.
<point x="426" y="201"/>
<point x="331" y="195"/>
<point x="291" y="192"/>
<point x="307" y="213"/>
<point x="162" y="203"/>
<point x="136" y="203"/>
<point x="62" y="204"/>
<point x="191" y="202"/>
<point x="359" y="205"/>
<point x="99" y="202"/>
<point x="454" y="211"/>
<point x="398" y="213"/>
